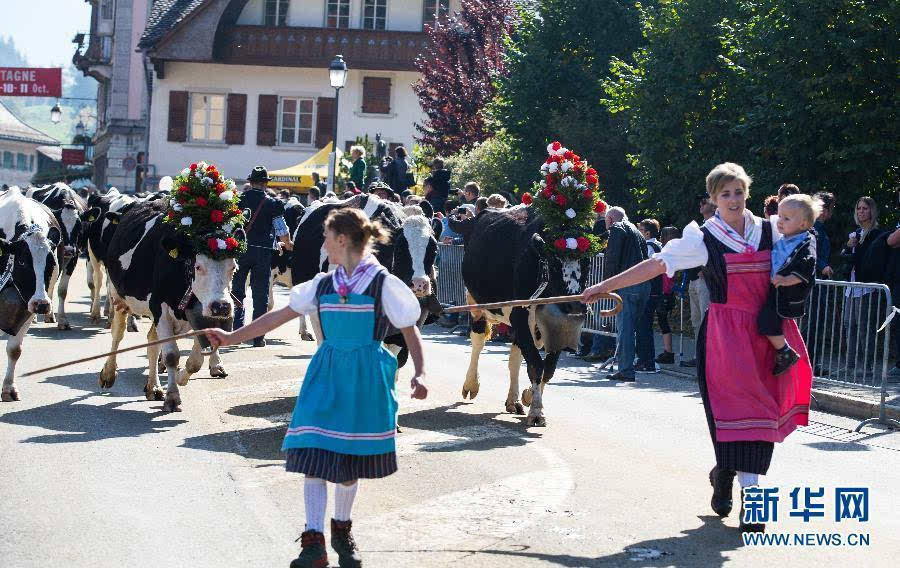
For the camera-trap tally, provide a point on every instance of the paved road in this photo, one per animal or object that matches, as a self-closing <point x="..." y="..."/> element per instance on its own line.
<point x="616" y="479"/>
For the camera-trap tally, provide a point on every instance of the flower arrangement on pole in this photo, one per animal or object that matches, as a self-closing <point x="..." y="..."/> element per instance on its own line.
<point x="203" y="207"/>
<point x="567" y="197"/>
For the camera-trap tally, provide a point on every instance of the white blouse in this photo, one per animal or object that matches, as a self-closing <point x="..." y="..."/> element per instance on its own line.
<point x="690" y="252"/>
<point x="399" y="303"/>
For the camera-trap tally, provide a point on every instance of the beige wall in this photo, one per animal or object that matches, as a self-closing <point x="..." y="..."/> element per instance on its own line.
<point x="237" y="160"/>
<point x="14" y="176"/>
<point x="403" y="15"/>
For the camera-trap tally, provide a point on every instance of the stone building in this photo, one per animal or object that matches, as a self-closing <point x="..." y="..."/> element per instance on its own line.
<point x="108" y="53"/>
<point x="245" y="82"/>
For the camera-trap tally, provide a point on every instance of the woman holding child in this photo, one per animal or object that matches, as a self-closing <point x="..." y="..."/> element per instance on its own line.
<point x="748" y="408"/>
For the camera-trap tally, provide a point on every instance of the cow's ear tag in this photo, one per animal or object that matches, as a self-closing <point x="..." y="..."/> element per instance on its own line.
<point x="91" y="218"/>
<point x="115" y="221"/>
<point x="173" y="253"/>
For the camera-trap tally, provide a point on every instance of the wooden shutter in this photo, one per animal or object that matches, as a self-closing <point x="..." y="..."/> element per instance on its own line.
<point x="376" y="95"/>
<point x="324" y="121"/>
<point x="236" y="118"/>
<point x="178" y="111"/>
<point x="266" y="120"/>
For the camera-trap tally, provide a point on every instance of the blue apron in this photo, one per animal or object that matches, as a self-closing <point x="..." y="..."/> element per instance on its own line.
<point x="347" y="403"/>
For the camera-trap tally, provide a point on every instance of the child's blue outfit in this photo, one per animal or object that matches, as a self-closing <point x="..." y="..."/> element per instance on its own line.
<point x="345" y="417"/>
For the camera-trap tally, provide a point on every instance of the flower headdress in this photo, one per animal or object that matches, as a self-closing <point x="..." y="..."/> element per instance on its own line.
<point x="203" y="207"/>
<point x="566" y="198"/>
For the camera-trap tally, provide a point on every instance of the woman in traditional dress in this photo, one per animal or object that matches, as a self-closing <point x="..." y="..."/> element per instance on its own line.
<point x="747" y="408"/>
<point x="345" y="417"/>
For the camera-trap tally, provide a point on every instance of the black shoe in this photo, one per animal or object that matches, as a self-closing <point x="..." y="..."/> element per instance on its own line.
<point x="784" y="359"/>
<point x="312" y="553"/>
<point x="749" y="527"/>
<point x="618" y="376"/>
<point x="721" y="481"/>
<point x="259" y="342"/>
<point x="666" y="358"/>
<point x="691" y="363"/>
<point x="342" y="542"/>
<point x="646" y="368"/>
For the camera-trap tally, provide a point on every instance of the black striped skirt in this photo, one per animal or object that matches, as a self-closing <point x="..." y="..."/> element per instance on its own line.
<point x="338" y="468"/>
<point x="749" y="457"/>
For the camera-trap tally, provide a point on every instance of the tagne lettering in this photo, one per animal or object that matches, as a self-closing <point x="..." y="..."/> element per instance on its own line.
<point x="18" y="75"/>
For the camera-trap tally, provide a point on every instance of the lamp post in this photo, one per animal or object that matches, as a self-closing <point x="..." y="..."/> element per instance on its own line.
<point x="55" y="114"/>
<point x="337" y="75"/>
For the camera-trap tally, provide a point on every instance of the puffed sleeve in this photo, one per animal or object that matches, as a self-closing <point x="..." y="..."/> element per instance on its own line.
<point x="399" y="303"/>
<point x="684" y="253"/>
<point x="303" y="296"/>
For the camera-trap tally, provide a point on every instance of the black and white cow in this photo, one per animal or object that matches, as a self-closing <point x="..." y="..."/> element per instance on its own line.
<point x="112" y="206"/>
<point x="155" y="273"/>
<point x="281" y="263"/>
<point x="409" y="254"/>
<point x="73" y="216"/>
<point x="506" y="259"/>
<point x="30" y="254"/>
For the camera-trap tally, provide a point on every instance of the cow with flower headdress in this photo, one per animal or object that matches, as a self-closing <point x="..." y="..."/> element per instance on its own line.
<point x="173" y="260"/>
<point x="538" y="249"/>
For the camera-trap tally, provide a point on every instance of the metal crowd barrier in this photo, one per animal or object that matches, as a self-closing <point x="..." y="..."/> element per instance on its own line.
<point x="840" y="330"/>
<point x="839" y="327"/>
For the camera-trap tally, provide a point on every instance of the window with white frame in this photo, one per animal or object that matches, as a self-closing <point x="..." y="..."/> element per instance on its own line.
<point x="276" y="12"/>
<point x="8" y="160"/>
<point x="107" y="9"/>
<point x="434" y="9"/>
<point x="22" y="162"/>
<point x="296" y="121"/>
<point x="374" y="14"/>
<point x="337" y="14"/>
<point x="207" y="117"/>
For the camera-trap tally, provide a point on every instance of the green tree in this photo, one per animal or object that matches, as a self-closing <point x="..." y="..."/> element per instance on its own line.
<point x="680" y="98"/>
<point x="823" y="82"/>
<point x="557" y="61"/>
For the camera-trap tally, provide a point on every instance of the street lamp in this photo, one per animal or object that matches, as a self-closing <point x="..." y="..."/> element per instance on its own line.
<point x="79" y="129"/>
<point x="55" y="114"/>
<point x="337" y="75"/>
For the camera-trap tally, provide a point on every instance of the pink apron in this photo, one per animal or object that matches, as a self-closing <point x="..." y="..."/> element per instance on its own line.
<point x="748" y="403"/>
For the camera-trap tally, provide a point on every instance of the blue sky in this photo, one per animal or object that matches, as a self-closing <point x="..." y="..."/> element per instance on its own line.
<point x="43" y="29"/>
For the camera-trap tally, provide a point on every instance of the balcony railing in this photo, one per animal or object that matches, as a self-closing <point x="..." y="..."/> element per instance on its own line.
<point x="316" y="47"/>
<point x="92" y="50"/>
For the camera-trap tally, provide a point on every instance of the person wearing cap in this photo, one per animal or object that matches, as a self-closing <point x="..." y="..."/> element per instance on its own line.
<point x="264" y="222"/>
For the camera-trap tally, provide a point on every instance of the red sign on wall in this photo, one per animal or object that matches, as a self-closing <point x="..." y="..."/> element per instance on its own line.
<point x="30" y="82"/>
<point x="72" y="157"/>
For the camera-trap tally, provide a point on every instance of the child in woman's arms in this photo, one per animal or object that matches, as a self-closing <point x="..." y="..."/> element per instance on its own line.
<point x="793" y="274"/>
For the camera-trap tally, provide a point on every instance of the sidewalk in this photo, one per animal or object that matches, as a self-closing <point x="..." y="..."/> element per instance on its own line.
<point x="829" y="396"/>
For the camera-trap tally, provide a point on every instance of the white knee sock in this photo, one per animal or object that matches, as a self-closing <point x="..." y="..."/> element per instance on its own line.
<point x="747" y="479"/>
<point x="315" y="495"/>
<point x="343" y="500"/>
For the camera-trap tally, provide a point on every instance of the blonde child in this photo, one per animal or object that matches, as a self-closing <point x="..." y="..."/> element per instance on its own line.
<point x="345" y="417"/>
<point x="793" y="274"/>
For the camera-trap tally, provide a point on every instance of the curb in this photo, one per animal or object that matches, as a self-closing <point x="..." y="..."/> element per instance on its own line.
<point x="824" y="401"/>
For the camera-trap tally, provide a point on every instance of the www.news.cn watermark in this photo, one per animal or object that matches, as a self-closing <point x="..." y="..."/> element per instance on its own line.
<point x="846" y="505"/>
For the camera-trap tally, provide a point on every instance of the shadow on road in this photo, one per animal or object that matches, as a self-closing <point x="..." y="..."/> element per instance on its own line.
<point x="81" y="419"/>
<point x="701" y="546"/>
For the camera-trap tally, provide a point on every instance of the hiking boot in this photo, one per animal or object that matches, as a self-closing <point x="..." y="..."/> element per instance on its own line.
<point x="342" y="542"/>
<point x="259" y="342"/>
<point x="618" y="376"/>
<point x="641" y="367"/>
<point x="721" y="481"/>
<point x="784" y="359"/>
<point x="312" y="553"/>
<point x="690" y="363"/>
<point x="749" y="527"/>
<point x="666" y="358"/>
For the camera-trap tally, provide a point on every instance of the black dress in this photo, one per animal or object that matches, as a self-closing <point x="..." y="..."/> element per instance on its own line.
<point x="750" y="457"/>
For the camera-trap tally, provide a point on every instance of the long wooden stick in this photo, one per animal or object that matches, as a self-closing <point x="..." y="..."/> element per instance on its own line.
<point x="540" y="302"/>
<point x="193" y="333"/>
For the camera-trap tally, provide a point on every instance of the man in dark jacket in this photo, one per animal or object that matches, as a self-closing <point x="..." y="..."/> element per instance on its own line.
<point x="396" y="173"/>
<point x="440" y="185"/>
<point x="626" y="248"/>
<point x="265" y="222"/>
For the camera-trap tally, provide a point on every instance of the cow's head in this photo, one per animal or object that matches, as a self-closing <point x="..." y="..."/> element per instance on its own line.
<point x="561" y="323"/>
<point x="415" y="251"/>
<point x="210" y="283"/>
<point x="33" y="253"/>
<point x="72" y="222"/>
